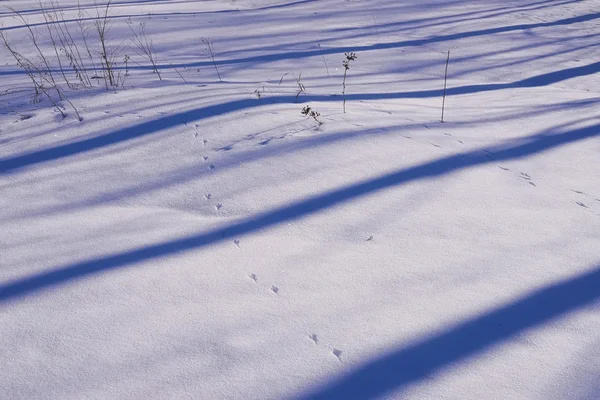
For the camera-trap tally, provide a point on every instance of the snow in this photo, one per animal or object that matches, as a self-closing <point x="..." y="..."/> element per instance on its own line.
<point x="191" y="240"/>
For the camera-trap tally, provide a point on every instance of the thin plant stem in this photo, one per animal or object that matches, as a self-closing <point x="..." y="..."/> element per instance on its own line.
<point x="445" y="82"/>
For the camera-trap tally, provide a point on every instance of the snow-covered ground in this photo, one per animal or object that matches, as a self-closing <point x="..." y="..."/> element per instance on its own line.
<point x="199" y="239"/>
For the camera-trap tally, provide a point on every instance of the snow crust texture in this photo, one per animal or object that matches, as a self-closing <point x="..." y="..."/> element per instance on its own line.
<point x="197" y="237"/>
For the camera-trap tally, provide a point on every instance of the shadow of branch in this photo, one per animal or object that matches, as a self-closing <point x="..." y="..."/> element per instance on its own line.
<point x="416" y="362"/>
<point x="146" y="128"/>
<point x="431" y="169"/>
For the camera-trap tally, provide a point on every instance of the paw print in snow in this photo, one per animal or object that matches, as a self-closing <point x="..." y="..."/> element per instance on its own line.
<point x="337" y="353"/>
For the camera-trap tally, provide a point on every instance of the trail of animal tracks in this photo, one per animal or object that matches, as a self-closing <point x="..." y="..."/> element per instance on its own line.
<point x="198" y="238"/>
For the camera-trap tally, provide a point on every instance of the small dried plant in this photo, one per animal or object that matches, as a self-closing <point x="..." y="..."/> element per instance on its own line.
<point x="210" y="52"/>
<point x="145" y="46"/>
<point x="309" y="112"/>
<point x="346" y="64"/>
<point x="301" y="88"/>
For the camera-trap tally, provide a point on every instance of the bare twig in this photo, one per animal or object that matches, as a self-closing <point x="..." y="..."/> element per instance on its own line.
<point x="301" y="88"/>
<point x="145" y="46"/>
<point x="324" y="60"/>
<point x="52" y="101"/>
<point x="36" y="45"/>
<point x="70" y="48"/>
<point x="178" y="73"/>
<point x="83" y="31"/>
<point x="209" y="51"/>
<point x="38" y="79"/>
<point x="346" y="64"/>
<point x="282" y="76"/>
<point x="19" y="114"/>
<point x="48" y="21"/>
<point x="102" y="24"/>
<point x="445" y="81"/>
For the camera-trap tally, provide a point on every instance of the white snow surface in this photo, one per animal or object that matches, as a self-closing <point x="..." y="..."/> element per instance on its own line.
<point x="194" y="240"/>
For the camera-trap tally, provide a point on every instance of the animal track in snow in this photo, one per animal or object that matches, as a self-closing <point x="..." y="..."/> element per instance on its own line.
<point x="253" y="277"/>
<point x="370" y="238"/>
<point x="208" y="196"/>
<point x="313" y="337"/>
<point x="526" y="177"/>
<point x="218" y="206"/>
<point x="205" y="158"/>
<point x="523" y="175"/>
<point x="196" y="126"/>
<point x="586" y="207"/>
<point x="585" y="194"/>
<point x="237" y="243"/>
<point x="212" y="166"/>
<point x="458" y="140"/>
<point x="337" y="353"/>
<point x="274" y="289"/>
<point x="196" y="133"/>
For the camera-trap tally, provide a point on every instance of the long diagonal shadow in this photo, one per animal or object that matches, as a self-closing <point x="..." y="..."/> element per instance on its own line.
<point x="380" y="46"/>
<point x="391" y="45"/>
<point x="147" y="128"/>
<point x="418" y="361"/>
<point x="185" y="174"/>
<point x="63" y="274"/>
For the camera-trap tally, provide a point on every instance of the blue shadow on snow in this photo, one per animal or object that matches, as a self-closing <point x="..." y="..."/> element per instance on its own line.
<point x="146" y="128"/>
<point x="431" y="169"/>
<point x="417" y="362"/>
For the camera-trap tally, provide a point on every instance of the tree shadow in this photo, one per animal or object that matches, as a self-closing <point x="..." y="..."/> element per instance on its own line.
<point x="534" y="81"/>
<point x="94" y="18"/>
<point x="391" y="45"/>
<point x="128" y="3"/>
<point x="416" y="362"/>
<point x="116" y="4"/>
<point x="439" y="21"/>
<point x="432" y="169"/>
<point x="566" y="48"/>
<point x="186" y="174"/>
<point x="150" y="127"/>
<point x="414" y="24"/>
<point x="291" y="55"/>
